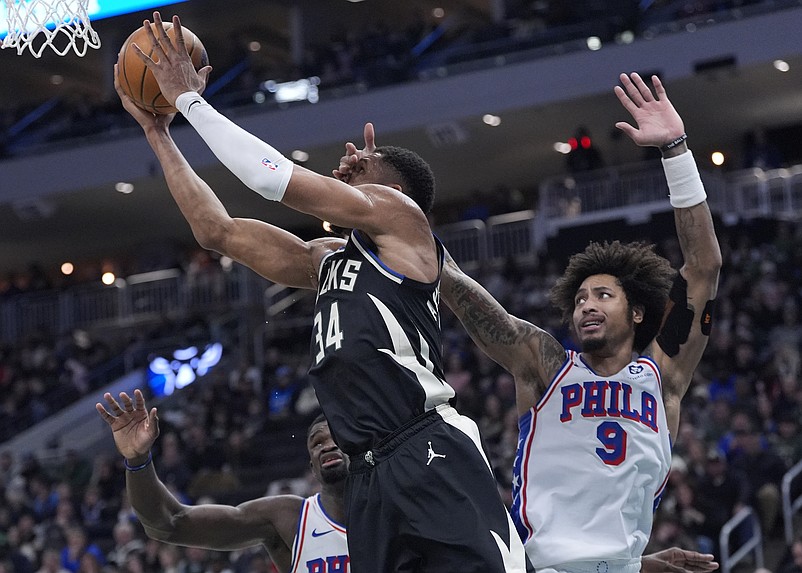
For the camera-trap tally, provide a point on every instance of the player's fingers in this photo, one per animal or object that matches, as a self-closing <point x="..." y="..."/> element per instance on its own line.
<point x="350" y="149"/>
<point x="108" y="418"/>
<point x="128" y="404"/>
<point x="159" y="23"/>
<point x="112" y="403"/>
<point x="146" y="59"/>
<point x="153" y="420"/>
<point x="703" y="564"/>
<point x="180" y="43"/>
<point x="156" y="44"/>
<point x="643" y="89"/>
<point x="102" y="411"/>
<point x="632" y="92"/>
<point x="370" y="138"/>
<point x="630" y="131"/>
<point x="625" y="100"/>
<point x="658" y="88"/>
<point x="139" y="400"/>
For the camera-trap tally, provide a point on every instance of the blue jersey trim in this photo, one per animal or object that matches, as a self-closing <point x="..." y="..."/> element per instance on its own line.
<point x="326" y="513"/>
<point x="362" y="243"/>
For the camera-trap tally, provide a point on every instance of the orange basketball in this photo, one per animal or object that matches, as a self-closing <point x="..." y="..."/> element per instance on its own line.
<point x="137" y="81"/>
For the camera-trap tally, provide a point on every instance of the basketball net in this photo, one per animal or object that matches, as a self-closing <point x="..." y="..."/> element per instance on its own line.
<point x="63" y="25"/>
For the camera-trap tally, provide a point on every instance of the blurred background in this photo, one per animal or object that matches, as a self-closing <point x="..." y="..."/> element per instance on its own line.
<point x="103" y="288"/>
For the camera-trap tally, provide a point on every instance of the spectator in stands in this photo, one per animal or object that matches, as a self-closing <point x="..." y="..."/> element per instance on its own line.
<point x="125" y="543"/>
<point x="43" y="497"/>
<point x="787" y="442"/>
<point x="8" y="471"/>
<point x="90" y="562"/>
<point x="78" y="545"/>
<point x="106" y="479"/>
<point x="282" y="391"/>
<point x="76" y="471"/>
<point x="584" y="155"/>
<point x="763" y="470"/>
<point x="18" y="553"/>
<point x="760" y="152"/>
<point x="201" y="453"/>
<point x="95" y="513"/>
<point x="51" y="562"/>
<point x="794" y="563"/>
<point x="169" y="558"/>
<point x="721" y="493"/>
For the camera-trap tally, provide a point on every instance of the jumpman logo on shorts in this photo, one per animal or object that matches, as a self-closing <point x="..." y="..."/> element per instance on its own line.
<point x="433" y="455"/>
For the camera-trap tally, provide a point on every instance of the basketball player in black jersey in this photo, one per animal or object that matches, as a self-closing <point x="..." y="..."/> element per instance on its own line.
<point x="420" y="495"/>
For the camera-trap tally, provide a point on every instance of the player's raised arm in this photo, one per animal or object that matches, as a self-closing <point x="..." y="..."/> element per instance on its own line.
<point x="270" y="251"/>
<point x="267" y="521"/>
<point x="682" y="340"/>
<point x="263" y="168"/>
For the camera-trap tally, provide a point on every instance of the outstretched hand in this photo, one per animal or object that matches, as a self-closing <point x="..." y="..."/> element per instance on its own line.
<point x="134" y="428"/>
<point x="353" y="155"/>
<point x="658" y="123"/>
<point x="676" y="560"/>
<point x="172" y="68"/>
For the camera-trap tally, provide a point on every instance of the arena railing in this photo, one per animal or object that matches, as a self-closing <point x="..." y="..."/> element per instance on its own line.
<point x="136" y="298"/>
<point x="790" y="506"/>
<point x="633" y="192"/>
<point x="754" y="542"/>
<point x="636" y="192"/>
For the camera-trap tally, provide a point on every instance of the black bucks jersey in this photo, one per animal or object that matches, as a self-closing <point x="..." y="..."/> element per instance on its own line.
<point x="376" y="346"/>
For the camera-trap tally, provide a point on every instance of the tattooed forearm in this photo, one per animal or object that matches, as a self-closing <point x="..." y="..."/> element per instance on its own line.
<point x="484" y="319"/>
<point x="552" y="356"/>
<point x="531" y="354"/>
<point x="697" y="237"/>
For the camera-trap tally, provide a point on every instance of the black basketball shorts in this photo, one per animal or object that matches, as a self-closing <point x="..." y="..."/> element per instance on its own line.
<point x="426" y="500"/>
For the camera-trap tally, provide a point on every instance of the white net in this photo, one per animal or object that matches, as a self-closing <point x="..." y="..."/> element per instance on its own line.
<point x="62" y="25"/>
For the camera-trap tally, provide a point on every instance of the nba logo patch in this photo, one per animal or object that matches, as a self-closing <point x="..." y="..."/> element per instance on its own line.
<point x="269" y="164"/>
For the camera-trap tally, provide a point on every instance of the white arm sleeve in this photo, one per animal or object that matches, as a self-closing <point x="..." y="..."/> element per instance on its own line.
<point x="253" y="161"/>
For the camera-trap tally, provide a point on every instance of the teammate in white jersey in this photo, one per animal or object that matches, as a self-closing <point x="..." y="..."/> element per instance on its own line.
<point x="595" y="426"/>
<point x="301" y="535"/>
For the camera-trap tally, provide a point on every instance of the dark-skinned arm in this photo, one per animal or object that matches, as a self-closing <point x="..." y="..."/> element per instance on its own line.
<point x="269" y="521"/>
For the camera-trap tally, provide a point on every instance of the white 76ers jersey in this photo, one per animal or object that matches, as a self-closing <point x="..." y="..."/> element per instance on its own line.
<point x="321" y="545"/>
<point x="593" y="459"/>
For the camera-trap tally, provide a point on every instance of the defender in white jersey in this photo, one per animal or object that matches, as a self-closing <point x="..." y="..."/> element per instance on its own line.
<point x="321" y="544"/>
<point x="300" y="535"/>
<point x="594" y="447"/>
<point x="604" y="491"/>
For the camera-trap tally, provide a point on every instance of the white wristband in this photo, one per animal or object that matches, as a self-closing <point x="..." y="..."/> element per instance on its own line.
<point x="684" y="183"/>
<point x="258" y="165"/>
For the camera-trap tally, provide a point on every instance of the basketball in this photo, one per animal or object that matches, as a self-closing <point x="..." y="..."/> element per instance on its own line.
<point x="137" y="81"/>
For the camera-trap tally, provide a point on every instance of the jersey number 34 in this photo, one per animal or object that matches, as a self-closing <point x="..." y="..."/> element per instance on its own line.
<point x="333" y="334"/>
